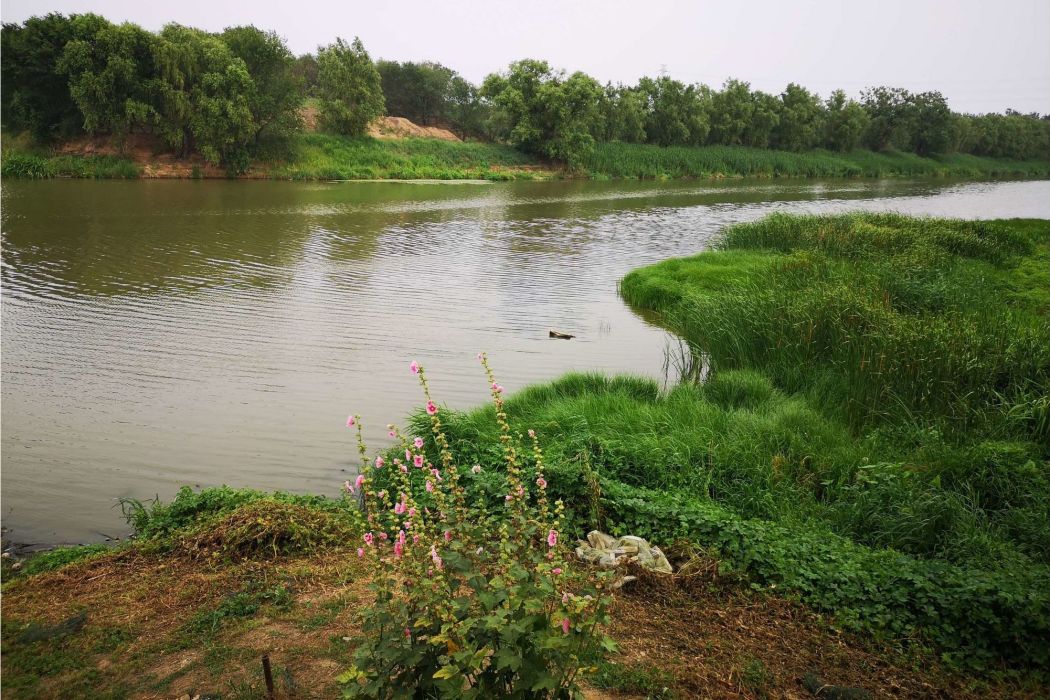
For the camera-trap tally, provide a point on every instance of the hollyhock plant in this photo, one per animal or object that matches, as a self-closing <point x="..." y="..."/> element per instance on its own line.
<point x="451" y="572"/>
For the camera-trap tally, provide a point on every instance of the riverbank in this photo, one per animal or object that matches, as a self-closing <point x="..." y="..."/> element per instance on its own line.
<point x="318" y="156"/>
<point x="870" y="439"/>
<point x="219" y="578"/>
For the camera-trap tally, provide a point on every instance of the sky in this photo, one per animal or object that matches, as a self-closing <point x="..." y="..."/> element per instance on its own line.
<point x="983" y="55"/>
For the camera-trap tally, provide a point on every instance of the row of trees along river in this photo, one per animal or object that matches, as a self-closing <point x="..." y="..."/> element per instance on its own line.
<point x="238" y="95"/>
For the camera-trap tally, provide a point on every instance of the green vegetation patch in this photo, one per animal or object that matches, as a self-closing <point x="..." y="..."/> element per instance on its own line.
<point x="330" y="157"/>
<point x="628" y="160"/>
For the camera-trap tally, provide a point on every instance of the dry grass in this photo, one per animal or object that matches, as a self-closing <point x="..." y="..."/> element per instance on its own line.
<point x="709" y="635"/>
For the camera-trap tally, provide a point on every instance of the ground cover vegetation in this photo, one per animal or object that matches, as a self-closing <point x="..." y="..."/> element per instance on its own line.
<point x="235" y="97"/>
<point x="872" y="432"/>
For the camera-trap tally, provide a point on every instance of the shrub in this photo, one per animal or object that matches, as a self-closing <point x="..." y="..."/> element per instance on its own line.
<point x="471" y="601"/>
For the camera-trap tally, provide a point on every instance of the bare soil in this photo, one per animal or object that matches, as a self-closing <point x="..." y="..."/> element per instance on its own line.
<point x="705" y="637"/>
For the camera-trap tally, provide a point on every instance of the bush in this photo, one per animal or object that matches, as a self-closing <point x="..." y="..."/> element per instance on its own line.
<point x="472" y="601"/>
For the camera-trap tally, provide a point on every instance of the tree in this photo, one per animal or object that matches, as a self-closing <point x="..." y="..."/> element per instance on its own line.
<point x="930" y="123"/>
<point x="35" y="96"/>
<point x="676" y="113"/>
<point x="416" y="91"/>
<point x="110" y="71"/>
<point x="276" y="93"/>
<point x="888" y="117"/>
<point x="465" y="112"/>
<point x="845" y="122"/>
<point x="349" y="87"/>
<point x="206" y="96"/>
<point x="305" y="71"/>
<point x="625" y="111"/>
<point x="731" y="112"/>
<point x="543" y="112"/>
<point x="801" y="120"/>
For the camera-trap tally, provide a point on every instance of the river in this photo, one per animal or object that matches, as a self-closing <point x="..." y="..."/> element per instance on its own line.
<point x="162" y="333"/>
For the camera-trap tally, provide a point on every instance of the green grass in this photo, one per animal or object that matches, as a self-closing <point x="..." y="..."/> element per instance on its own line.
<point x="873" y="434"/>
<point x="622" y="160"/>
<point x="37" y="166"/>
<point x="317" y="156"/>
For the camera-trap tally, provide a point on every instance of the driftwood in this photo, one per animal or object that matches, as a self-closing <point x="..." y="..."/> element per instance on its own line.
<point x="561" y="336"/>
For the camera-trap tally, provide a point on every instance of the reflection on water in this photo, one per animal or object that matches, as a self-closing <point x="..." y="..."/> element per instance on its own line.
<point x="165" y="333"/>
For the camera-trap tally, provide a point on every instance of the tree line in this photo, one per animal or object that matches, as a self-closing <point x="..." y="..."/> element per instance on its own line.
<point x="231" y="95"/>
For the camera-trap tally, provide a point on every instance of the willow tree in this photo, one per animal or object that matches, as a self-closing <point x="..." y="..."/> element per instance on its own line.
<point x="349" y="88"/>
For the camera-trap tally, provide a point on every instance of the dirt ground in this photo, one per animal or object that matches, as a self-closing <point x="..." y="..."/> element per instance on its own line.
<point x="170" y="627"/>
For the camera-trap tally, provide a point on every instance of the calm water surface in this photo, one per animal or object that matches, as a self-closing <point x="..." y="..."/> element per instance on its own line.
<point x="157" y="334"/>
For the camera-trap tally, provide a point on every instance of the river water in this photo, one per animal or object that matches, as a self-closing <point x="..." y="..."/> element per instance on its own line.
<point x="162" y="333"/>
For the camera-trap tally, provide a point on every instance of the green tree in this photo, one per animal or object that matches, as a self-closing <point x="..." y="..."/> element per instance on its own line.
<point x="110" y="74"/>
<point x="543" y="112"/>
<point x="801" y="120"/>
<point x="416" y="91"/>
<point x="349" y="87"/>
<point x="676" y="114"/>
<point x="731" y="112"/>
<point x="889" y="117"/>
<point x="930" y="123"/>
<point x="205" y="98"/>
<point x="465" y="111"/>
<point x="845" y="122"/>
<point x="305" y="71"/>
<point x="35" y="96"/>
<point x="276" y="91"/>
<point x="625" y="111"/>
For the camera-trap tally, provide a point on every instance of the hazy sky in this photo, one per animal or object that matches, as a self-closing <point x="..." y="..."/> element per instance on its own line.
<point x="983" y="55"/>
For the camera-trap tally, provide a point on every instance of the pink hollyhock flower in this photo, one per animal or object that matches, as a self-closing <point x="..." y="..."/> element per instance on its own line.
<point x="399" y="508"/>
<point x="368" y="538"/>
<point x="552" y="538"/>
<point x="480" y="356"/>
<point x="550" y="555"/>
<point x="408" y="454"/>
<point x="418" y="443"/>
<point x="435" y="557"/>
<point x="448" y="535"/>
<point x="476" y="469"/>
<point x="565" y="624"/>
<point x="382" y="494"/>
<point x="565" y="598"/>
<point x="508" y="497"/>
<point x="360" y="552"/>
<point x="391" y="433"/>
<point x="415" y="539"/>
<point x="436" y="474"/>
<point x="401" y="537"/>
<point x="399" y="549"/>
<point x="541" y="482"/>
<point x="414" y="367"/>
<point x="407" y="524"/>
<point x="532" y="433"/>
<point x="359" y="480"/>
<point x="383" y="536"/>
<point x="348" y="486"/>
<point x="497" y="388"/>
<point x="379" y="462"/>
<point x="430" y="487"/>
<point x="350" y="422"/>
<point x="556" y="571"/>
<point x="403" y="468"/>
<point x="431" y="408"/>
<point x="412" y="512"/>
<point x="408" y="633"/>
<point x="418" y="461"/>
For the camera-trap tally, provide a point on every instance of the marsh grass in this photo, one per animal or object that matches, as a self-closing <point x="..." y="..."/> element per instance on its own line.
<point x="622" y="160"/>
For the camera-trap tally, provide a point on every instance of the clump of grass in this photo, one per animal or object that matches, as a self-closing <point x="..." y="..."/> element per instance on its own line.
<point x="36" y="167"/>
<point x="59" y="557"/>
<point x="191" y="509"/>
<point x="268" y="529"/>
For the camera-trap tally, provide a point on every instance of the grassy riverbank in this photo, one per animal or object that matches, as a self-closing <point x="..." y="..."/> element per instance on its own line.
<point x="317" y="156"/>
<point x="220" y="577"/>
<point x="871" y="440"/>
<point x="623" y="160"/>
